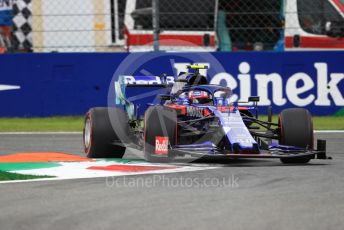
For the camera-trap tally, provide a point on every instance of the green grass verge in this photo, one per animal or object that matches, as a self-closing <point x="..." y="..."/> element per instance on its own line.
<point x="17" y="166"/>
<point x="321" y="123"/>
<point x="329" y="123"/>
<point x="54" y="124"/>
<point x="5" y="176"/>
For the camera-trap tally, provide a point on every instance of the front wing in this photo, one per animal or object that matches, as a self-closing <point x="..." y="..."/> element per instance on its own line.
<point x="206" y="150"/>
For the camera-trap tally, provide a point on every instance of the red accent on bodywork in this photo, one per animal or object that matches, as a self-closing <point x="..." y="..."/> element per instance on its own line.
<point x="316" y="42"/>
<point x="224" y="108"/>
<point x="229" y="109"/>
<point x="181" y="109"/>
<point x="206" y="112"/>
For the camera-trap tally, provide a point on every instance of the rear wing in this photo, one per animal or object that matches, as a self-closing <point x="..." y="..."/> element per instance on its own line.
<point x="136" y="92"/>
<point x="147" y="81"/>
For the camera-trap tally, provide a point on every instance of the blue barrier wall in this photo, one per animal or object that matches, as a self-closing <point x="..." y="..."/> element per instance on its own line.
<point x="69" y="84"/>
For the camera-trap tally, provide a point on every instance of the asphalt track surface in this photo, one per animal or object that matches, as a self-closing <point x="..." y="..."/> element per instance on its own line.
<point x="264" y="194"/>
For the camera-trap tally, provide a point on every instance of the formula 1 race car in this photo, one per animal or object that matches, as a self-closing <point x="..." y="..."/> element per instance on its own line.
<point x="170" y="117"/>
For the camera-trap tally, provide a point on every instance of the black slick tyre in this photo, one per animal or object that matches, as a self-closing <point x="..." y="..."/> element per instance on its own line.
<point x="296" y="129"/>
<point x="105" y="130"/>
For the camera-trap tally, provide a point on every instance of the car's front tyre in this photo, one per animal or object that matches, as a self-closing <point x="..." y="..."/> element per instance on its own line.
<point x="104" y="130"/>
<point x="296" y="129"/>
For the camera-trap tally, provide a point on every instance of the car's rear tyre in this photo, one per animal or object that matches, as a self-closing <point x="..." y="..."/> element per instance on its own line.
<point x="159" y="122"/>
<point x="104" y="131"/>
<point x="296" y="129"/>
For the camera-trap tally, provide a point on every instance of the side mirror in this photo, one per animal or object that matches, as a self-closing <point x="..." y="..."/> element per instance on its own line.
<point x="253" y="99"/>
<point x="334" y="29"/>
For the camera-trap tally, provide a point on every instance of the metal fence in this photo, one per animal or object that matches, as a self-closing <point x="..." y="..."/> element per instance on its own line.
<point x="185" y="25"/>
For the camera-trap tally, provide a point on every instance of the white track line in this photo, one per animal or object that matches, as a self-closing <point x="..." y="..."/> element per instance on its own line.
<point x="329" y="131"/>
<point x="40" y="133"/>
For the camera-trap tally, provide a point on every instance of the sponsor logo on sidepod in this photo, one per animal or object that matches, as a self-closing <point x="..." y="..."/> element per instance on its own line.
<point x="161" y="145"/>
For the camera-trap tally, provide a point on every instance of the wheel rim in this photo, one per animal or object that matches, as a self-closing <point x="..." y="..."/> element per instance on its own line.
<point x="87" y="134"/>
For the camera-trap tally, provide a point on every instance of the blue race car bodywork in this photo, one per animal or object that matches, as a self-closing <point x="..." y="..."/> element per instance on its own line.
<point x="201" y="120"/>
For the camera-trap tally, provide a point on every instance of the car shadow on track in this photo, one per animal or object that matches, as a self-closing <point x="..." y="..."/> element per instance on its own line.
<point x="225" y="162"/>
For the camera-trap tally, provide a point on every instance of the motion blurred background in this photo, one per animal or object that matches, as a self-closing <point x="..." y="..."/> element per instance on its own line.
<point x="188" y="25"/>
